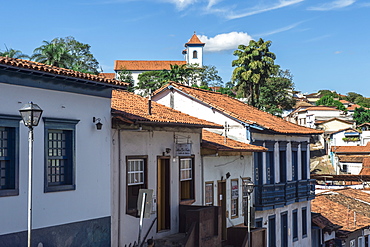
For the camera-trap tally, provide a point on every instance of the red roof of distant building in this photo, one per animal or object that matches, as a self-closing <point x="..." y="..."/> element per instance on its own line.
<point x="137" y="65"/>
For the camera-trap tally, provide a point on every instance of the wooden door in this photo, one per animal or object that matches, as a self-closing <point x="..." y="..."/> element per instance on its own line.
<point x="221" y="199"/>
<point x="163" y="194"/>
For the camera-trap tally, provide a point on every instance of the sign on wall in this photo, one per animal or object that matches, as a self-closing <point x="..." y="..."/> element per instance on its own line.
<point x="183" y="149"/>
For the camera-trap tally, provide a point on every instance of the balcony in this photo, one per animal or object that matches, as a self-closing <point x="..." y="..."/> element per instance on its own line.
<point x="269" y="196"/>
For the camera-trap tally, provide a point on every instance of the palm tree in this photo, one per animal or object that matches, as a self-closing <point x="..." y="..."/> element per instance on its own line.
<point x="13" y="53"/>
<point x="53" y="53"/>
<point x="255" y="64"/>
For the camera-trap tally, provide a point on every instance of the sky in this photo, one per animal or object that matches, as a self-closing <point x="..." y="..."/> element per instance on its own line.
<point x="324" y="44"/>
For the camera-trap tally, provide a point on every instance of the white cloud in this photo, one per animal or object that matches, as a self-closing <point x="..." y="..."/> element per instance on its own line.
<point x="182" y="4"/>
<point x="225" y="41"/>
<point x="261" y="9"/>
<point x="283" y="29"/>
<point x="338" y="4"/>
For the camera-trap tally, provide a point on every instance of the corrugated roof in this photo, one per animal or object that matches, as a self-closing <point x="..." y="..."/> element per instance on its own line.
<point x="241" y="111"/>
<point x="132" y="108"/>
<point x="35" y="66"/>
<point x="220" y="143"/>
<point x="133" y="65"/>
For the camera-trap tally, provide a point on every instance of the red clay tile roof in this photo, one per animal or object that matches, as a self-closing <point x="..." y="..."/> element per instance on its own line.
<point x="351" y="149"/>
<point x="194" y="40"/>
<point x="218" y="142"/>
<point x="30" y="65"/>
<point x="242" y="111"/>
<point x="352" y="158"/>
<point x="344" y="207"/>
<point x="145" y="65"/>
<point x="319" y="108"/>
<point x="324" y="223"/>
<point x="108" y="75"/>
<point x="347" y="130"/>
<point x="333" y="119"/>
<point x="343" y="101"/>
<point x="132" y="108"/>
<point x="353" y="107"/>
<point x="365" y="166"/>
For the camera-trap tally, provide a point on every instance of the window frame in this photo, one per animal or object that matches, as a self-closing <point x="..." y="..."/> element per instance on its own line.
<point x="234" y="200"/>
<point x="295" y="225"/>
<point x="211" y="195"/>
<point x="272" y="234"/>
<point x="304" y="222"/>
<point x="68" y="125"/>
<point x="195" y="54"/>
<point x="13" y="122"/>
<point x="144" y="185"/>
<point x="304" y="161"/>
<point x="191" y="181"/>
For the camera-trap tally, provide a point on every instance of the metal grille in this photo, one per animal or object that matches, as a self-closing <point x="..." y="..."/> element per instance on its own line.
<point x="4" y="158"/>
<point x="57" y="157"/>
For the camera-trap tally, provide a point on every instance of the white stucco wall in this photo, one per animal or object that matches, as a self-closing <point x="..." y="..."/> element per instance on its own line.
<point x="91" y="198"/>
<point x="217" y="166"/>
<point x="337" y="140"/>
<point x="152" y="144"/>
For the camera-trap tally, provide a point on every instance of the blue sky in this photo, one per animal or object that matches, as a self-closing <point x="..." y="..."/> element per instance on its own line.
<point x="325" y="44"/>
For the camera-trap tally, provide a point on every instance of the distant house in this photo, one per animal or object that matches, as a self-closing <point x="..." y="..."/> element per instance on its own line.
<point x="193" y="54"/>
<point x="281" y="175"/>
<point x="347" y="215"/>
<point x="348" y="159"/>
<point x="158" y="148"/>
<point x="71" y="172"/>
<point x="365" y="133"/>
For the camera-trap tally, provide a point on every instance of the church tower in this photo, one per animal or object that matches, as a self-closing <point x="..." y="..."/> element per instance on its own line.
<point x="194" y="51"/>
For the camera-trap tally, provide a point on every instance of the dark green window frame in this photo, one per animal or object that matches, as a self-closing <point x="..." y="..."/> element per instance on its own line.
<point x="9" y="153"/>
<point x="60" y="154"/>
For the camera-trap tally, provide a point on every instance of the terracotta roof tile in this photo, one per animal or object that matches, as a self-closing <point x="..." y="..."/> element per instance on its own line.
<point x="351" y="149"/>
<point x="353" y="107"/>
<point x="333" y="119"/>
<point x="132" y="108"/>
<point x="145" y="65"/>
<point x="344" y="207"/>
<point x="365" y="166"/>
<point x="242" y="111"/>
<point x="30" y="65"/>
<point x="324" y="223"/>
<point x="219" y="142"/>
<point x="352" y="158"/>
<point x="194" y="40"/>
<point x="319" y="108"/>
<point x="108" y="75"/>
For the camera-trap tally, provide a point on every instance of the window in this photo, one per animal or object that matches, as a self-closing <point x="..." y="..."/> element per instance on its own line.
<point x="344" y="168"/>
<point x="234" y="198"/>
<point x="295" y="225"/>
<point x="258" y="222"/>
<point x="304" y="222"/>
<point x="272" y="231"/>
<point x="304" y="162"/>
<point x="294" y="161"/>
<point x="282" y="159"/>
<point x="136" y="180"/>
<point x="59" y="154"/>
<point x="9" y="126"/>
<point x="195" y="54"/>
<point x="209" y="193"/>
<point x="270" y="163"/>
<point x="187" y="179"/>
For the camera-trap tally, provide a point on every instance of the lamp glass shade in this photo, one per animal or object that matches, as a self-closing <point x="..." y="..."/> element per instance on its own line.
<point x="249" y="186"/>
<point x="31" y="114"/>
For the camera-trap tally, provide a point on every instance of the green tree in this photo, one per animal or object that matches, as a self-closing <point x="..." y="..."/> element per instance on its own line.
<point x="325" y="92"/>
<point x="151" y="80"/>
<point x="13" y="53"/>
<point x="255" y="64"/>
<point x="361" y="115"/>
<point x="126" y="76"/>
<point x="83" y="59"/>
<point x="209" y="76"/>
<point x="351" y="96"/>
<point x="277" y="93"/>
<point x="328" y="100"/>
<point x="53" y="53"/>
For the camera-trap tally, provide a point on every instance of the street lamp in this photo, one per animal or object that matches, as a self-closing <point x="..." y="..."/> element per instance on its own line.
<point x="31" y="114"/>
<point x="248" y="187"/>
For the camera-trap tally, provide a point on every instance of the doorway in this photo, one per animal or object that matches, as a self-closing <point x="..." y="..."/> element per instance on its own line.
<point x="221" y="201"/>
<point x="163" y="194"/>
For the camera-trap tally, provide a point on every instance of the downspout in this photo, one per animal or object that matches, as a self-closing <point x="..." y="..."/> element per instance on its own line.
<point x="202" y="169"/>
<point x="119" y="187"/>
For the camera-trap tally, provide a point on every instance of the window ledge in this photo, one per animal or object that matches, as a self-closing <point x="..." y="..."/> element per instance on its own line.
<point x="187" y="202"/>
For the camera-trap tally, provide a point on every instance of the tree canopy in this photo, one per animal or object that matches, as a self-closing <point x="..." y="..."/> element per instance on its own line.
<point x="254" y="65"/>
<point x="277" y="93"/>
<point x="13" y="53"/>
<point x="126" y="76"/>
<point x="329" y="100"/>
<point x="361" y="115"/>
<point x="67" y="53"/>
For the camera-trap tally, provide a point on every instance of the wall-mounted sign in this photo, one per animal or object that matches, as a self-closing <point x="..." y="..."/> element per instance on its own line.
<point x="183" y="149"/>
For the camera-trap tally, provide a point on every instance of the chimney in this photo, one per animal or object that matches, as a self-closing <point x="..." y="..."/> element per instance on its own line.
<point x="150" y="105"/>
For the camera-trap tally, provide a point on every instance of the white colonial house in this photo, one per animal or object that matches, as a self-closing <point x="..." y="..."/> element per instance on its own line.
<point x="283" y="188"/>
<point x="155" y="148"/>
<point x="71" y="159"/>
<point x="193" y="55"/>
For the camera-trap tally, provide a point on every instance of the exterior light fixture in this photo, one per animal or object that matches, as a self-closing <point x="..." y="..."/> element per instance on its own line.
<point x="248" y="186"/>
<point x="98" y="125"/>
<point x="31" y="115"/>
